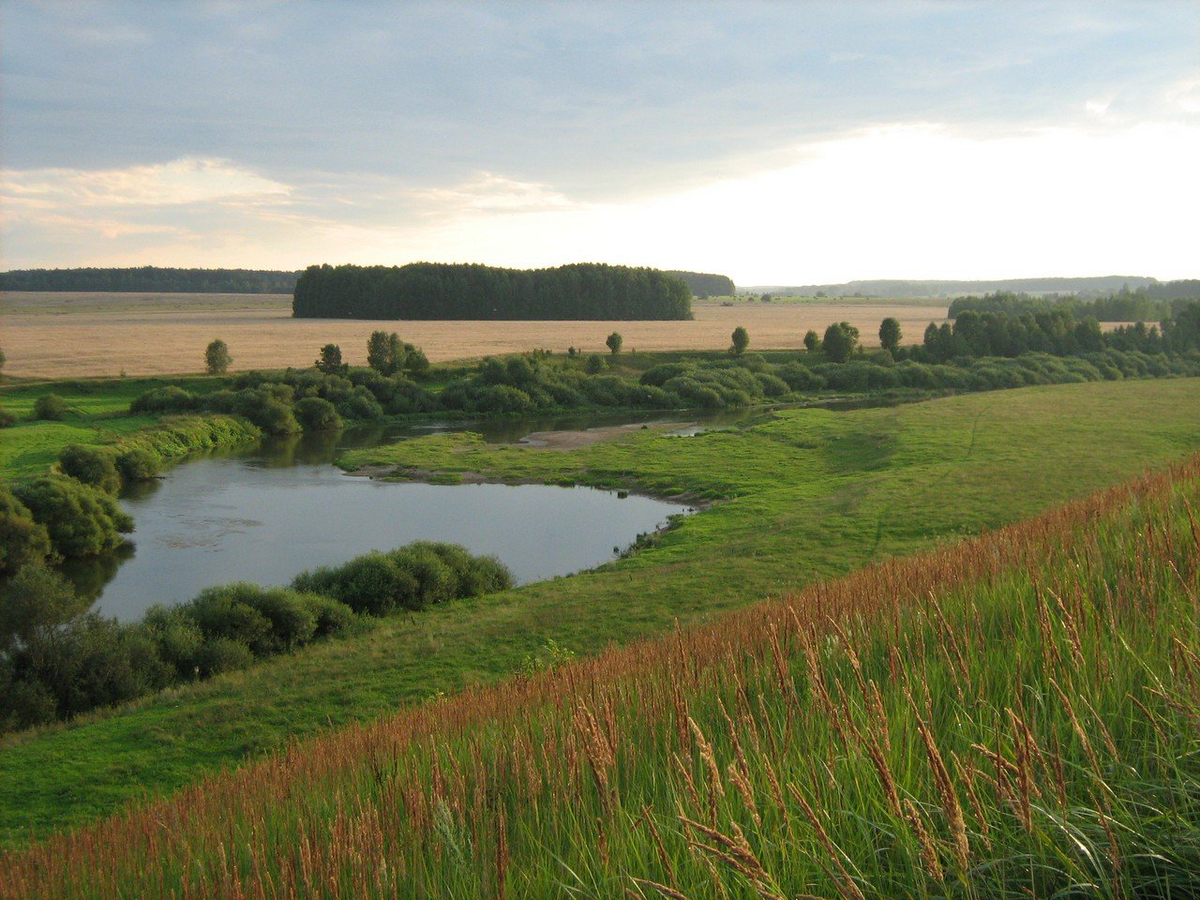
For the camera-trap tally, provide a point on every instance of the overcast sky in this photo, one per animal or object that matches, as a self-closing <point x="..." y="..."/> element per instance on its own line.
<point x="778" y="143"/>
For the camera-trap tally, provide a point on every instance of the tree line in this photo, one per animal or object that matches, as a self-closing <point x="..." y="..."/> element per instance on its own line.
<point x="151" y="279"/>
<point x="703" y="285"/>
<point x="472" y="291"/>
<point x="1148" y="304"/>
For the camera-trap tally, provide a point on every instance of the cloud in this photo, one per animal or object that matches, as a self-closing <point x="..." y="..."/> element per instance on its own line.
<point x="176" y="183"/>
<point x="489" y="192"/>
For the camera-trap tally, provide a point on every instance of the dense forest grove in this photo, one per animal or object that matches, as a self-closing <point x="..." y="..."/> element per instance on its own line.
<point x="151" y="278"/>
<point x="472" y="291"/>
<point x="1153" y="303"/>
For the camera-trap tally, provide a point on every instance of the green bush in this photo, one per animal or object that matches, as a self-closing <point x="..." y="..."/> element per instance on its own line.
<point x="137" y="464"/>
<point x="50" y="408"/>
<point x="22" y="540"/>
<point x="315" y="414"/>
<point x="91" y="465"/>
<point x="81" y="520"/>
<point x="163" y="399"/>
<point x="411" y="577"/>
<point x="222" y="654"/>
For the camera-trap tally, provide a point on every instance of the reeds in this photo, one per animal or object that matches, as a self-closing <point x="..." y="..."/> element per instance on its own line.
<point x="1015" y="714"/>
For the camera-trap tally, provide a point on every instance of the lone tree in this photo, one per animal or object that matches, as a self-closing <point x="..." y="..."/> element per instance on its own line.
<point x="812" y="341"/>
<point x="889" y="334"/>
<point x="217" y="358"/>
<point x="840" y="341"/>
<point x="613" y="343"/>
<point x="386" y="353"/>
<point x="741" y="340"/>
<point x="330" y="360"/>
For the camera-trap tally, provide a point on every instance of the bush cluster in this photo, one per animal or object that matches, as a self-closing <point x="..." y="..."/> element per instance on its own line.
<point x="57" y="660"/>
<point x="412" y="578"/>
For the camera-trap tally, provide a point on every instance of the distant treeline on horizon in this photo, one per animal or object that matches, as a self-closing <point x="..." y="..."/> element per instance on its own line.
<point x="1092" y="286"/>
<point x="234" y="281"/>
<point x="473" y="291"/>
<point x="151" y="279"/>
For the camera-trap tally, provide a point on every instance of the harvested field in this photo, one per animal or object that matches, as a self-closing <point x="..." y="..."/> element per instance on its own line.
<point x="70" y="335"/>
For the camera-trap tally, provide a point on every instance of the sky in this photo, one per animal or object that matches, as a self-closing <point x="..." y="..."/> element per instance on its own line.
<point x="778" y="143"/>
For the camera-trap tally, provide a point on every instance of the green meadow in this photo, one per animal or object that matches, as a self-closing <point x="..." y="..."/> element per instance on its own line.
<point x="806" y="494"/>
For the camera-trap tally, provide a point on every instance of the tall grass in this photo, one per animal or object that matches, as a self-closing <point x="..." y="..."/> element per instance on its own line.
<point x="1013" y="715"/>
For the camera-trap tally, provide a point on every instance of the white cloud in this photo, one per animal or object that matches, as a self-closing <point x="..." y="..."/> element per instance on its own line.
<point x="183" y="181"/>
<point x="489" y="192"/>
<point x="1185" y="95"/>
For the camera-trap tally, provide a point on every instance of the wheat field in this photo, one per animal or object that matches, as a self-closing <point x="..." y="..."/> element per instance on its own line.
<point x="72" y="335"/>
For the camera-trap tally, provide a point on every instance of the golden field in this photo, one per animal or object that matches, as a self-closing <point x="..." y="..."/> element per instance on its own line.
<point x="66" y="335"/>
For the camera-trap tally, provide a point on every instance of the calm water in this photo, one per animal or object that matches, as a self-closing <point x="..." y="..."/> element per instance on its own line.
<point x="266" y="514"/>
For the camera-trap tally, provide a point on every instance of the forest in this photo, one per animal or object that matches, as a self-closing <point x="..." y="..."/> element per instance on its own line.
<point x="473" y="291"/>
<point x="1145" y="304"/>
<point x="151" y="278"/>
<point x="703" y="285"/>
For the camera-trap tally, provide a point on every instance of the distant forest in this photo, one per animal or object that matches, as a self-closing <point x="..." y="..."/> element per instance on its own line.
<point x="1153" y="303"/>
<point x="151" y="279"/>
<point x="472" y="291"/>
<point x="1093" y="287"/>
<point x="232" y="281"/>
<point x="703" y="285"/>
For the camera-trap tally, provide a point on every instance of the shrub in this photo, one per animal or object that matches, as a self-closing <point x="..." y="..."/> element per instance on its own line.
<point x="435" y="581"/>
<point x="217" y="358"/>
<point x="369" y="584"/>
<point x="800" y="378"/>
<point x="222" y="654"/>
<point x="230" y="612"/>
<point x="50" y="408"/>
<point x="138" y="464"/>
<point x="164" y="399"/>
<point x="332" y="616"/>
<point x="91" y="466"/>
<point x="664" y="372"/>
<point x="613" y="343"/>
<point x="81" y="520"/>
<point x="595" y="364"/>
<point x="267" y="412"/>
<point x="315" y="414"/>
<point x="23" y="541"/>
<point x="360" y="404"/>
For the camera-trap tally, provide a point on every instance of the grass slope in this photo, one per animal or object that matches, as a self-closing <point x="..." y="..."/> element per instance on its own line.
<point x="1012" y="715"/>
<point x="812" y="493"/>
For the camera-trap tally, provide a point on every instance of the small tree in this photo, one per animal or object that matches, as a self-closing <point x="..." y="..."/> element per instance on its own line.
<point x="889" y="334"/>
<point x="741" y="340"/>
<point x="840" y="340"/>
<point x="595" y="364"/>
<point x="330" y="360"/>
<point x="613" y="343"/>
<point x="812" y="341"/>
<point x="385" y="352"/>
<point x="217" y="358"/>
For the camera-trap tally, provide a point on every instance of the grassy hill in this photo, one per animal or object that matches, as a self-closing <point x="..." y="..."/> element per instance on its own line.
<point x="1009" y="715"/>
<point x="806" y="495"/>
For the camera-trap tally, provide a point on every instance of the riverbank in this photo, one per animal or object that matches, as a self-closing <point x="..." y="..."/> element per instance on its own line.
<point x="810" y="494"/>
